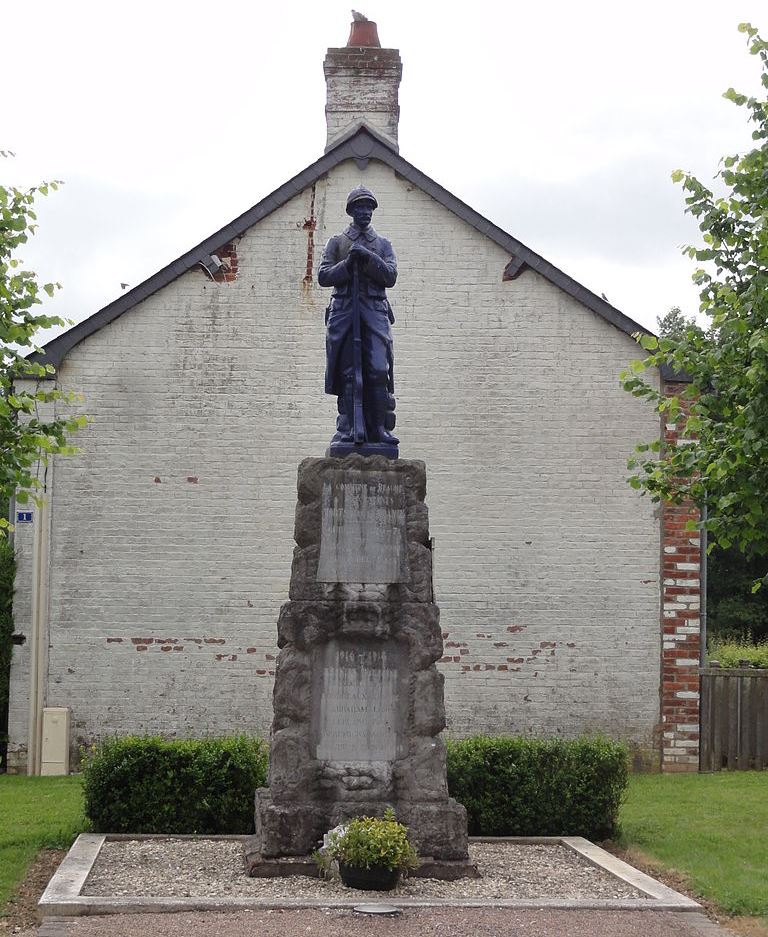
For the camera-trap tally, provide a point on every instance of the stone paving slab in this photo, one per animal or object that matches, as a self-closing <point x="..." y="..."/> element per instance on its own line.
<point x="62" y="898"/>
<point x="432" y="922"/>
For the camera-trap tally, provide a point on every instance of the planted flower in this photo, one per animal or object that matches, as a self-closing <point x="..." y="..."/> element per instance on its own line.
<point x="371" y="852"/>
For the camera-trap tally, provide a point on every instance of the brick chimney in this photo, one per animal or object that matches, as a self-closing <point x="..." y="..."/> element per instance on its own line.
<point x="362" y="81"/>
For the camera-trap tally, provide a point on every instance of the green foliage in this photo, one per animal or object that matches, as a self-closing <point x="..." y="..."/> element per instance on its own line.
<point x="734" y="609"/>
<point x="152" y="785"/>
<point x="26" y="439"/>
<point x="708" y="827"/>
<point x="533" y="787"/>
<point x="366" y="842"/>
<point x="37" y="813"/>
<point x="7" y="573"/>
<point x="674" y="324"/>
<point x="730" y="653"/>
<point x="722" y="464"/>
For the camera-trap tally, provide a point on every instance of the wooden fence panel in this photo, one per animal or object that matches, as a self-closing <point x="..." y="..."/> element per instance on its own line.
<point x="734" y="719"/>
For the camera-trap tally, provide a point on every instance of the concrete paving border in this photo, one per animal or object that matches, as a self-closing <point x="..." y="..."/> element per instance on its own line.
<point x="62" y="899"/>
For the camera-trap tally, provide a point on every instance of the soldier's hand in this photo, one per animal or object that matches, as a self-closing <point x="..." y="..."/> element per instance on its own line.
<point x="357" y="251"/>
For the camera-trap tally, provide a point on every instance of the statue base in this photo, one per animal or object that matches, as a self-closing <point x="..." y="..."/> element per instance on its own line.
<point x="358" y="700"/>
<point x="340" y="450"/>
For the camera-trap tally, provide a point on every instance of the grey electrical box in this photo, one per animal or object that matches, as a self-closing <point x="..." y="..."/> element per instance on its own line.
<point x="55" y="756"/>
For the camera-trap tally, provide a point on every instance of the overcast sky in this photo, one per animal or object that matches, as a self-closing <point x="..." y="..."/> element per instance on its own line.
<point x="559" y="121"/>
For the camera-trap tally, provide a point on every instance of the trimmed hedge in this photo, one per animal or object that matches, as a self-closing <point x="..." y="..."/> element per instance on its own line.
<point x="152" y="785"/>
<point x="532" y="787"/>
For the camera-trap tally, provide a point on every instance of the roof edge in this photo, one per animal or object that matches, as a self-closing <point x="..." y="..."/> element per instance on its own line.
<point x="361" y="143"/>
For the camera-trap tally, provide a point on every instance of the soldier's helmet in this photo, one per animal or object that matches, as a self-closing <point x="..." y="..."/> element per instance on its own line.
<point x="358" y="194"/>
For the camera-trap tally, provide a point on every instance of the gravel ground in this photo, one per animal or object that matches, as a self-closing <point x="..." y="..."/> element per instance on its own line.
<point x="211" y="868"/>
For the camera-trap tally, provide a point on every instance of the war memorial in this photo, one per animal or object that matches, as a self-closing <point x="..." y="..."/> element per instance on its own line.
<point x="358" y="701"/>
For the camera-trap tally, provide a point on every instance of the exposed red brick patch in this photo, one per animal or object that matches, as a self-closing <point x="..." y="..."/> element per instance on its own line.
<point x="515" y="629"/>
<point x="227" y="254"/>
<point x="310" y="224"/>
<point x="193" y="479"/>
<point x="157" y="479"/>
<point x="141" y="640"/>
<point x="269" y="656"/>
<point x="215" y="641"/>
<point x="114" y="640"/>
<point x="250" y="650"/>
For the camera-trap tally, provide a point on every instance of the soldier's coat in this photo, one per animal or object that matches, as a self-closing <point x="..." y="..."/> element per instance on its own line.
<point x="376" y="315"/>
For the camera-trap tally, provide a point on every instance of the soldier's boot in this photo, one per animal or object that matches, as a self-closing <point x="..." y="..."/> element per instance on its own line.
<point x="383" y="407"/>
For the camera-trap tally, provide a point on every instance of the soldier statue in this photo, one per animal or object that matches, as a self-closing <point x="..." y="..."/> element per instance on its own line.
<point x="360" y="264"/>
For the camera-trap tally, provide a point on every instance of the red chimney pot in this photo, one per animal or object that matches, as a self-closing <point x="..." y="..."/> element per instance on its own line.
<point x="364" y="33"/>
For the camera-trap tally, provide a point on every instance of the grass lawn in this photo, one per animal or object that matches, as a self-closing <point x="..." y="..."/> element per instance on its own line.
<point x="713" y="828"/>
<point x="35" y="813"/>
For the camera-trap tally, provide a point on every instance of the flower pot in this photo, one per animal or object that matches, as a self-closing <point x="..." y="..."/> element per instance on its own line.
<point x="377" y="878"/>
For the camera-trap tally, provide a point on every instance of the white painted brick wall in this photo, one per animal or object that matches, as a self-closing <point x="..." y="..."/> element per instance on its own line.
<point x="546" y="564"/>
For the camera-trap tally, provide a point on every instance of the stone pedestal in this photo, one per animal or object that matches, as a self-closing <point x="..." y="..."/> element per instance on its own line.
<point x="358" y="702"/>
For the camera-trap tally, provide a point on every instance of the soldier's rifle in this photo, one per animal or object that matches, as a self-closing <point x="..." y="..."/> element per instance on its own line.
<point x="358" y="420"/>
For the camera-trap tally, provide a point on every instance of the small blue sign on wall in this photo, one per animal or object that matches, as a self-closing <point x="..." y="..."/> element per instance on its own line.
<point x="23" y="517"/>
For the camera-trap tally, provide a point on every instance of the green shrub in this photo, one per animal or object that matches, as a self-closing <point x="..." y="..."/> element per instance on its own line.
<point x="366" y="842"/>
<point x="152" y="785"/>
<point x="729" y="653"/>
<point x="532" y="787"/>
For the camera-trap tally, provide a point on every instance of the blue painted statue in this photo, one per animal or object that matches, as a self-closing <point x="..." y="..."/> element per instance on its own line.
<point x="360" y="264"/>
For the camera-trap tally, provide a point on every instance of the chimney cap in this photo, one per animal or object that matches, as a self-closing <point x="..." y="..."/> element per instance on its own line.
<point x="363" y="33"/>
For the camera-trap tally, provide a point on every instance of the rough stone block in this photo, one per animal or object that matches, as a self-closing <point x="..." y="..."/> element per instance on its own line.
<point x="286" y="830"/>
<point x="421" y="776"/>
<point x="306" y="527"/>
<point x="292" y="694"/>
<point x="428" y="704"/>
<point x="437" y="830"/>
<point x="292" y="770"/>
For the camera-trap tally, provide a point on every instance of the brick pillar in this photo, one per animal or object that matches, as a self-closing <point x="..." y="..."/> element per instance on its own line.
<point x="680" y="627"/>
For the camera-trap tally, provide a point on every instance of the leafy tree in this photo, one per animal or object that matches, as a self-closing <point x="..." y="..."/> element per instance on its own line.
<point x="26" y="439"/>
<point x="733" y="609"/>
<point x="722" y="415"/>
<point x="675" y="324"/>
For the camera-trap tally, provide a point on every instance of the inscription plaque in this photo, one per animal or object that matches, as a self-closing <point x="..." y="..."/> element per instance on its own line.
<point x="363" y="532"/>
<point x="358" y="701"/>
